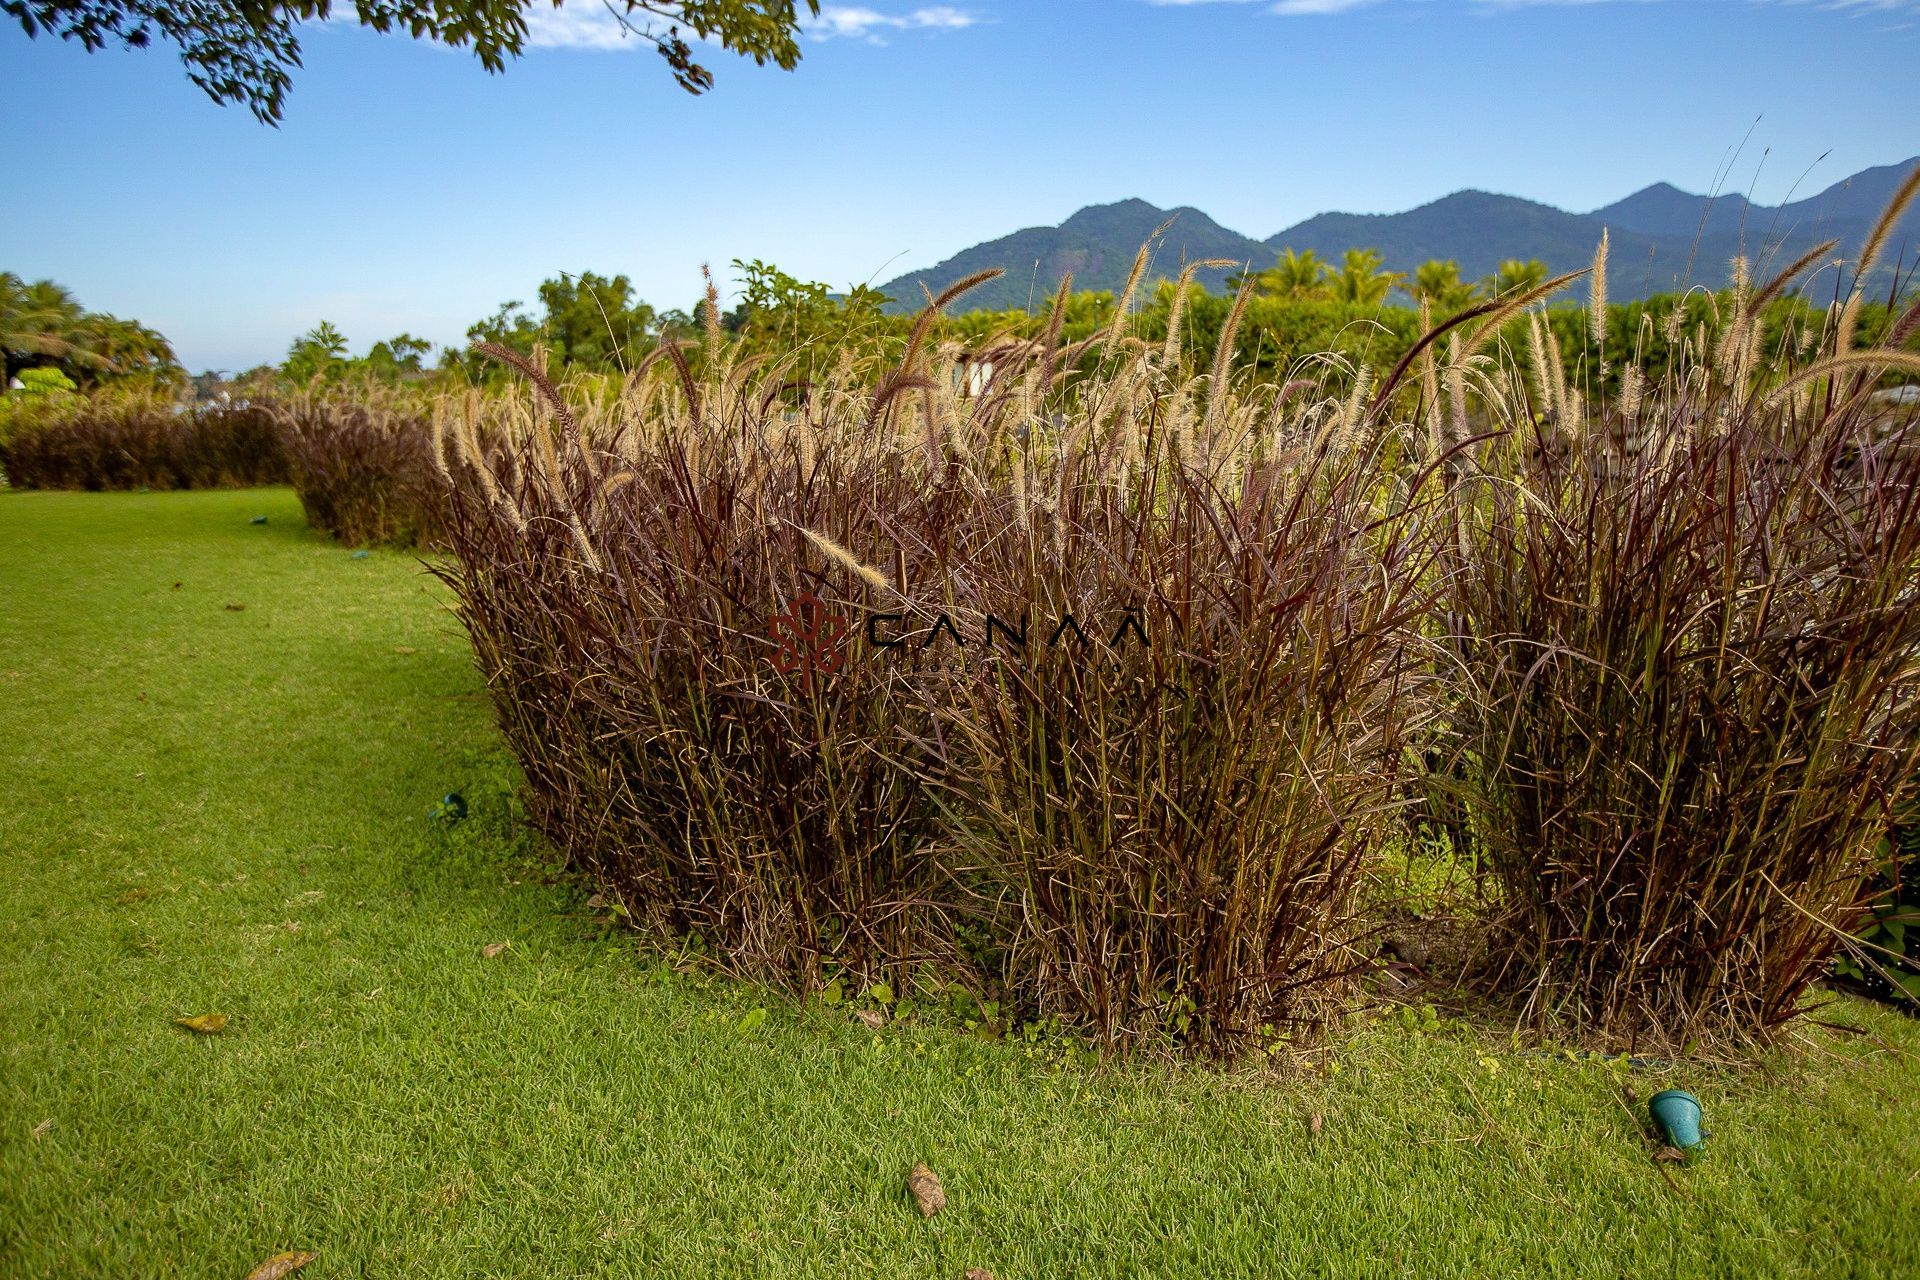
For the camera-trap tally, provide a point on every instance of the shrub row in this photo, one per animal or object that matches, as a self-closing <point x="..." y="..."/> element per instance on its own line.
<point x="135" y="441"/>
<point x="360" y="458"/>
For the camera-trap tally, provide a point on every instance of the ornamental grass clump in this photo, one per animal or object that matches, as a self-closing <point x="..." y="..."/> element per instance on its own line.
<point x="1067" y="673"/>
<point x="1167" y="818"/>
<point x="363" y="465"/>
<point x="139" y="439"/>
<point x="620" y="578"/>
<point x="1684" y="637"/>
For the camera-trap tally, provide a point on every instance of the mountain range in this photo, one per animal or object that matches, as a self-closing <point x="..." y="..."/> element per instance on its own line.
<point x="1661" y="239"/>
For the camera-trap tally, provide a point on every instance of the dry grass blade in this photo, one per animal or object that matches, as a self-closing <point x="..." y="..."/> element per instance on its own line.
<point x="1875" y="358"/>
<point x="1771" y="290"/>
<point x="923" y="323"/>
<point x="1498" y="315"/>
<point x="847" y="560"/>
<point x="1170" y="348"/>
<point x="1888" y="220"/>
<point x="1422" y="346"/>
<point x="1597" y="293"/>
<point x="1217" y="385"/>
<point x="532" y="373"/>
<point x="1125" y="307"/>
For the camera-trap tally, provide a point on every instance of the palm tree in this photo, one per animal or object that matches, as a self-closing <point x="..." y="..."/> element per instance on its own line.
<point x="1514" y="275"/>
<point x="42" y="323"/>
<point x="315" y="352"/>
<point x="1438" y="282"/>
<point x="129" y="347"/>
<point x="1362" y="279"/>
<point x="1296" y="276"/>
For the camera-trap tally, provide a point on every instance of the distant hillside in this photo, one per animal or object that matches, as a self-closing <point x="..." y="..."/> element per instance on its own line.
<point x="1845" y="211"/>
<point x="1662" y="239"/>
<point x="1848" y="207"/>
<point x="1474" y="228"/>
<point x="1097" y="245"/>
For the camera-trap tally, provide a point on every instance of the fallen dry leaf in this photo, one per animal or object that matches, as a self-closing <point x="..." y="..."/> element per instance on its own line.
<point x="281" y="1264"/>
<point x="873" y="1018"/>
<point x="925" y="1185"/>
<point x="1315" y="1122"/>
<point x="235" y="608"/>
<point x="1674" y="1154"/>
<point x="493" y="949"/>
<point x="40" y="1130"/>
<point x="978" y="1273"/>
<point x="404" y="649"/>
<point x="205" y="1024"/>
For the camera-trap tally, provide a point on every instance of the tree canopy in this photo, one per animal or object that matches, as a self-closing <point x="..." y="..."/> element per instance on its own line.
<point x="1437" y="282"/>
<point x="321" y="354"/>
<point x="42" y="325"/>
<point x="775" y="305"/>
<point x="587" y="321"/>
<point x="245" y="51"/>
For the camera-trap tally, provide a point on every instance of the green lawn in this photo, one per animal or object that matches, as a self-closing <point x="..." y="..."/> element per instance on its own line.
<point x="207" y="810"/>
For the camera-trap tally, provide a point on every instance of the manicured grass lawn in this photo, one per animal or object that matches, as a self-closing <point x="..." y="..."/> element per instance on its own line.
<point x="205" y="810"/>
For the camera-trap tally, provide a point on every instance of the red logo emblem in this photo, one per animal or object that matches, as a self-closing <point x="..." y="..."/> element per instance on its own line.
<point x="809" y="639"/>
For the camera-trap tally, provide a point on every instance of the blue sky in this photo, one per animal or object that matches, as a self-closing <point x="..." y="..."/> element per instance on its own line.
<point x="409" y="190"/>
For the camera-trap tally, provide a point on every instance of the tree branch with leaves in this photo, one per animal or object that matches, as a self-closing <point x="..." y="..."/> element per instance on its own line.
<point x="245" y="51"/>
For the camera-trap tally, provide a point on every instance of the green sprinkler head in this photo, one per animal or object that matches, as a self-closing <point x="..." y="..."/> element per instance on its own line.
<point x="1676" y="1114"/>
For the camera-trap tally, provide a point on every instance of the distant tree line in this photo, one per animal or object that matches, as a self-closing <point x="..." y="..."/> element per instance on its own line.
<point x="591" y="324"/>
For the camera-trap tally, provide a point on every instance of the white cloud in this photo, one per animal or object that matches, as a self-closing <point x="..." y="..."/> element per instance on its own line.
<point x="1285" y="8"/>
<point x="857" y="22"/>
<point x="1298" y="8"/>
<point x="578" y="24"/>
<point x="591" y="25"/>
